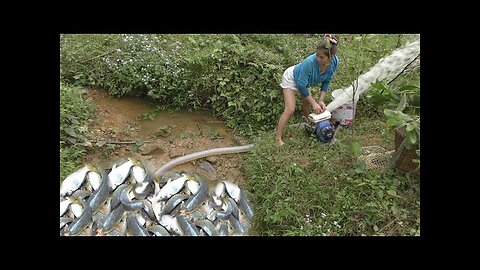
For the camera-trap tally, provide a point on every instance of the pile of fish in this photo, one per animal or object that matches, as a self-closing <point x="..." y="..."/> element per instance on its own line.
<point x="127" y="201"/>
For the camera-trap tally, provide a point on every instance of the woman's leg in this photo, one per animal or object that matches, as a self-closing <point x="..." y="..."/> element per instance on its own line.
<point x="306" y="107"/>
<point x="289" y="99"/>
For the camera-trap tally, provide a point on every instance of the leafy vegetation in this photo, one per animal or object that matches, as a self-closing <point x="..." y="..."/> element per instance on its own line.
<point x="74" y="118"/>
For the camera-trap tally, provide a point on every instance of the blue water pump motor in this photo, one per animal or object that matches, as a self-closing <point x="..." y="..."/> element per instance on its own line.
<point x="320" y="125"/>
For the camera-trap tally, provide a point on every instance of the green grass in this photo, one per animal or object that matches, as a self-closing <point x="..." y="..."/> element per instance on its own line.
<point x="305" y="188"/>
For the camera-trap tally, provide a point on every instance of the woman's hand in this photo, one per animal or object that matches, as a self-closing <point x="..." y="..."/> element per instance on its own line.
<point x="322" y="106"/>
<point x="317" y="108"/>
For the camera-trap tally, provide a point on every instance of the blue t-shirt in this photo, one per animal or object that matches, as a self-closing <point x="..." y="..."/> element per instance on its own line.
<point x="307" y="74"/>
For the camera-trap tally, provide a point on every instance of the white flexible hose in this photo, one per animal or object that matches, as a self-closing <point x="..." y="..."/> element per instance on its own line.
<point x="210" y="152"/>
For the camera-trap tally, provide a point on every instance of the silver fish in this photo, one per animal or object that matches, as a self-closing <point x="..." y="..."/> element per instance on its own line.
<point x="192" y="186"/>
<point x="237" y="226"/>
<point x="207" y="226"/>
<point x="118" y="175"/>
<point x="142" y="190"/>
<point x="95" y="179"/>
<point x="199" y="213"/>
<point x="199" y="197"/>
<point x="127" y="203"/>
<point x="244" y="206"/>
<point x="173" y="202"/>
<point x="235" y="211"/>
<point x="219" y="189"/>
<point x="169" y="177"/>
<point x="148" y="208"/>
<point x="228" y="208"/>
<point x="134" y="228"/>
<point x="64" y="206"/>
<point x="233" y="190"/>
<point x="221" y="227"/>
<point x="171" y="188"/>
<point x="112" y="219"/>
<point x="99" y="197"/>
<point x="80" y="194"/>
<point x="98" y="219"/>
<point x="77" y="209"/>
<point x="115" y="199"/>
<point x="139" y="173"/>
<point x="211" y="212"/>
<point x="171" y="224"/>
<point x="158" y="230"/>
<point x="158" y="208"/>
<point x="74" y="181"/>
<point x="64" y="221"/>
<point x="187" y="227"/>
<point x="81" y="222"/>
<point x="215" y="202"/>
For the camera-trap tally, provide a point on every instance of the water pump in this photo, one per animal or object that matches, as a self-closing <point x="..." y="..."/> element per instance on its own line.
<point x="321" y="126"/>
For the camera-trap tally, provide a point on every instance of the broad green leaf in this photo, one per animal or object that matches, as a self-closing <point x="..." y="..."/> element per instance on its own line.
<point x="403" y="103"/>
<point x="390" y="113"/>
<point x="411" y="138"/>
<point x="410" y="127"/>
<point x="393" y="122"/>
<point x="375" y="228"/>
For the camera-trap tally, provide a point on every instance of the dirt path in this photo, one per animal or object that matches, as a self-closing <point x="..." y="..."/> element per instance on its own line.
<point x="170" y="135"/>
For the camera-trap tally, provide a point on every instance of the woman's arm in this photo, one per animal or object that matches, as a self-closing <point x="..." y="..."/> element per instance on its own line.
<point x="321" y="102"/>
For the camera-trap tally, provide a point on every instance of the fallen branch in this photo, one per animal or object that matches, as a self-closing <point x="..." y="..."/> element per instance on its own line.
<point x="128" y="142"/>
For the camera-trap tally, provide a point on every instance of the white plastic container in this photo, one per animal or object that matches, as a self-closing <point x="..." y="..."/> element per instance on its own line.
<point x="345" y="113"/>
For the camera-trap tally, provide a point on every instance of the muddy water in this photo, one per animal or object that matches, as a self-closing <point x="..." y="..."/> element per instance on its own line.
<point x="167" y="136"/>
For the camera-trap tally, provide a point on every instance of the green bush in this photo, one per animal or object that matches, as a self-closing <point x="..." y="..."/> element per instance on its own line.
<point x="75" y="114"/>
